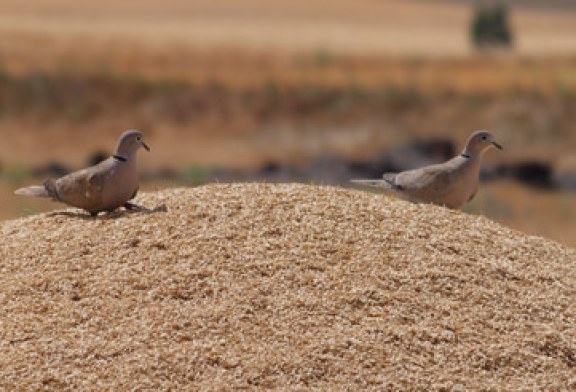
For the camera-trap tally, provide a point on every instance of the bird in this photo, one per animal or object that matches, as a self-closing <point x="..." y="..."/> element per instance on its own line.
<point x="450" y="184"/>
<point x="102" y="187"/>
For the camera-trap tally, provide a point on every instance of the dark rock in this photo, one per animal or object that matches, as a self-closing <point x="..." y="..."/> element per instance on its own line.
<point x="417" y="154"/>
<point x="270" y="168"/>
<point x="533" y="173"/>
<point x="274" y="171"/>
<point x="96" y="157"/>
<point x="50" y="170"/>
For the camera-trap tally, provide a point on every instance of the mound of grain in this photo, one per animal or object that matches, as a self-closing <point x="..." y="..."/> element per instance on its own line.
<point x="283" y="285"/>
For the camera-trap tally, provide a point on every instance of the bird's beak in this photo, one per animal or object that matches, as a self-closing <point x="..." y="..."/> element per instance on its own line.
<point x="145" y="146"/>
<point x="498" y="146"/>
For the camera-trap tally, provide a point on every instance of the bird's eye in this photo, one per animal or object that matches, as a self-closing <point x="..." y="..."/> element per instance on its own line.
<point x="484" y="138"/>
<point x="139" y="138"/>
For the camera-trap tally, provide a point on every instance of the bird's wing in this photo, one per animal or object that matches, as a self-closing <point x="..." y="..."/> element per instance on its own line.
<point x="427" y="184"/>
<point x="83" y="188"/>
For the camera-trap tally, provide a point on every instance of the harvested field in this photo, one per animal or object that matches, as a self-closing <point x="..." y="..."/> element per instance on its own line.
<point x="261" y="285"/>
<point x="417" y="27"/>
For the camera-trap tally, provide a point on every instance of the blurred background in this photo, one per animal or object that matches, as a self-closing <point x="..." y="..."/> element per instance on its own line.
<point x="295" y="90"/>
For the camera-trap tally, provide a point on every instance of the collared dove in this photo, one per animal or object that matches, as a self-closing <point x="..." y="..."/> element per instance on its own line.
<point x="103" y="187"/>
<point x="451" y="184"/>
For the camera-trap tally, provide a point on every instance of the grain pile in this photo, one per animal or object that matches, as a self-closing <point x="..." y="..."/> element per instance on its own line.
<point x="283" y="285"/>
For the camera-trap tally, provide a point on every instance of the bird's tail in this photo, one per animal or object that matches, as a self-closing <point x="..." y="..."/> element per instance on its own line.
<point x="374" y="183"/>
<point x="34" y="190"/>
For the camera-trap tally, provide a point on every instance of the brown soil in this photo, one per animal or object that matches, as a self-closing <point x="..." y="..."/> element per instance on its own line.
<point x="283" y="285"/>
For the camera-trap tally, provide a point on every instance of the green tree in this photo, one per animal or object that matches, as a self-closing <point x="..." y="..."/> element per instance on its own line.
<point x="490" y="26"/>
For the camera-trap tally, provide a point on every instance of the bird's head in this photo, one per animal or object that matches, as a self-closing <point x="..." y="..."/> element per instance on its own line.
<point x="129" y="142"/>
<point x="479" y="142"/>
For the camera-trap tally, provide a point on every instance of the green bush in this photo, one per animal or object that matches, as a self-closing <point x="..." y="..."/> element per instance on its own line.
<point x="490" y="26"/>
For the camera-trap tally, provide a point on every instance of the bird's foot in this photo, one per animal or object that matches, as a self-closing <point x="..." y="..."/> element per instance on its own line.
<point x="133" y="207"/>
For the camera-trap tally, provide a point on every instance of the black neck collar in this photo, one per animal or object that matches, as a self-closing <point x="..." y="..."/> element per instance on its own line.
<point x="463" y="155"/>
<point x="120" y="158"/>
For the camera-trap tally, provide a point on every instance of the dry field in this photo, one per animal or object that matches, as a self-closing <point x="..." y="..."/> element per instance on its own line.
<point x="398" y="47"/>
<point x="77" y="70"/>
<point x="263" y="286"/>
<point x="389" y="27"/>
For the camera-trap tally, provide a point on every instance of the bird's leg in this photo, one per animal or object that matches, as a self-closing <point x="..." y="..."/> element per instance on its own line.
<point x="133" y="207"/>
<point x="93" y="214"/>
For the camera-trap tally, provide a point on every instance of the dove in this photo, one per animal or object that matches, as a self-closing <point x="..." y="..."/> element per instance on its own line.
<point x="450" y="184"/>
<point x="102" y="187"/>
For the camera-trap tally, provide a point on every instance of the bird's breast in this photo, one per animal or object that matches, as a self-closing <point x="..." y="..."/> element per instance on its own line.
<point x="121" y="185"/>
